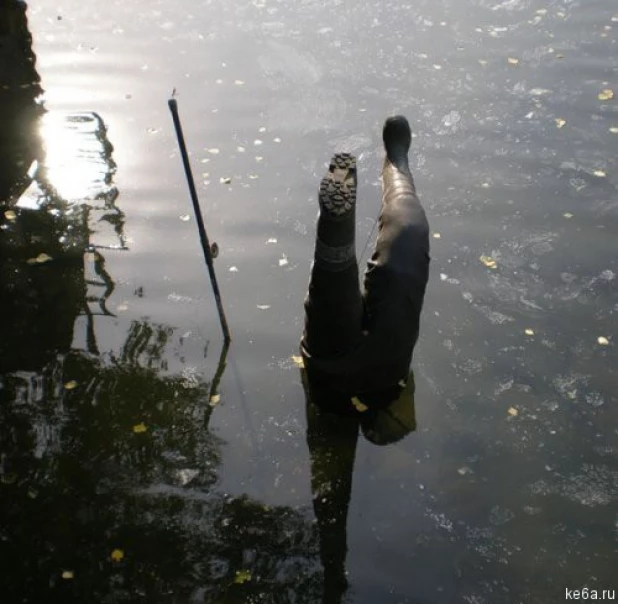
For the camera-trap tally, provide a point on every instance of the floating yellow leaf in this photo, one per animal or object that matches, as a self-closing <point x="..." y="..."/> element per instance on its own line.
<point x="298" y="361"/>
<point x="140" y="428"/>
<point x="437" y="236"/>
<point x="117" y="555"/>
<point x="214" y="400"/>
<point x="70" y="385"/>
<point x="603" y="341"/>
<point x="488" y="261"/>
<point x="614" y="130"/>
<point x="600" y="173"/>
<point x="10" y="215"/>
<point x="242" y="576"/>
<point x="513" y="412"/>
<point x="529" y="332"/>
<point x="513" y="61"/>
<point x="361" y="407"/>
<point x="606" y="95"/>
<point x="40" y="259"/>
<point x="560" y="123"/>
<point x="68" y="574"/>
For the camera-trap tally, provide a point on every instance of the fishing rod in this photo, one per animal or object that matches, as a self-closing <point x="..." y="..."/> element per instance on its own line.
<point x="206" y="247"/>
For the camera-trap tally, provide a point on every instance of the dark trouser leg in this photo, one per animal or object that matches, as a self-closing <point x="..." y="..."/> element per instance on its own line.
<point x="334" y="307"/>
<point x="396" y="276"/>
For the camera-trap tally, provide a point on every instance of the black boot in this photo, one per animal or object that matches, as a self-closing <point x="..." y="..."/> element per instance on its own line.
<point x="336" y="230"/>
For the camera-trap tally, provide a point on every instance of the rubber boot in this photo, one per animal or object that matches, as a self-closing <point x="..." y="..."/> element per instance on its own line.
<point x="334" y="307"/>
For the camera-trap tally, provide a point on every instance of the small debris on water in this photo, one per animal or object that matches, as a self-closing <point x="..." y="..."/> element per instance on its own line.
<point x="606" y="95"/>
<point x="40" y="259"/>
<point x="513" y="412"/>
<point x="253" y="176"/>
<point x="238" y="82"/>
<point x="10" y="215"/>
<point x="283" y="261"/>
<point x="242" y="576"/>
<point x="603" y="341"/>
<point x="140" y="428"/>
<point x="233" y="269"/>
<point x="213" y="151"/>
<point x="263" y="306"/>
<point x="488" y="261"/>
<point x="360" y="407"/>
<point x="185" y="217"/>
<point x="560" y="123"/>
<point x="276" y="139"/>
<point x="272" y="240"/>
<point x="257" y="142"/>
<point x="513" y="61"/>
<point x="258" y="158"/>
<point x="240" y="149"/>
<point x="614" y="129"/>
<point x="117" y="555"/>
<point x="437" y="236"/>
<point x="262" y="129"/>
<point x="600" y="173"/>
<point x="529" y="332"/>
<point x="68" y="574"/>
<point x="214" y="400"/>
<point x="465" y="470"/>
<point x="70" y="385"/>
<point x="568" y="215"/>
<point x="225" y="180"/>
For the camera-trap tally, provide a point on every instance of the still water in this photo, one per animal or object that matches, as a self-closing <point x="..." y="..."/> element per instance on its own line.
<point x="143" y="462"/>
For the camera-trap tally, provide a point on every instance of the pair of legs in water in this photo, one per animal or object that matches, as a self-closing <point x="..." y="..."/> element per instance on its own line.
<point x="359" y="343"/>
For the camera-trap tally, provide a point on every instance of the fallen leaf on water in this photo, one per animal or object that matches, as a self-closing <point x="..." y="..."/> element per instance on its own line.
<point x="437" y="235"/>
<point x="465" y="470"/>
<point x="298" y="361"/>
<point x="226" y="180"/>
<point x="242" y="576"/>
<point x="140" y="428"/>
<point x="361" y="407"/>
<point x="117" y="555"/>
<point x="283" y="261"/>
<point x="600" y="173"/>
<point x="488" y="261"/>
<point x="40" y="259"/>
<point x="614" y="130"/>
<point x="560" y="122"/>
<point x="233" y="269"/>
<point x="272" y="240"/>
<point x="185" y="217"/>
<point x="513" y="412"/>
<point x="214" y="400"/>
<point x="529" y="332"/>
<point x="603" y="341"/>
<point x="10" y="215"/>
<point x="513" y="61"/>
<point x="213" y="151"/>
<point x="263" y="306"/>
<point x="70" y="385"/>
<point x="568" y="215"/>
<point x="606" y="95"/>
<point x="68" y="574"/>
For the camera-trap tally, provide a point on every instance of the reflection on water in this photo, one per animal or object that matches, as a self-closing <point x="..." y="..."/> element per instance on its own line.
<point x="113" y="439"/>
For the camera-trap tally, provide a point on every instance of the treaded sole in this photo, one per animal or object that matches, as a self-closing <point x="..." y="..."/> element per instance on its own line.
<point x="338" y="188"/>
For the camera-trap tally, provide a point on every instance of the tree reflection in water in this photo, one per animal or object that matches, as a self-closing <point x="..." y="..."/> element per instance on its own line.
<point x="106" y="455"/>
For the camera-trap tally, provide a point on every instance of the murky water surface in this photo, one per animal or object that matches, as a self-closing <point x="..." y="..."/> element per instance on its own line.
<point x="137" y="468"/>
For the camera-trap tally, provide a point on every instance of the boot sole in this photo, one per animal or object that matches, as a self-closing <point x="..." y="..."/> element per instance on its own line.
<point x="338" y="188"/>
